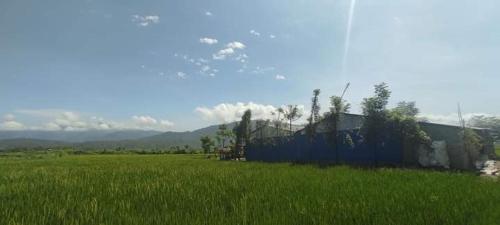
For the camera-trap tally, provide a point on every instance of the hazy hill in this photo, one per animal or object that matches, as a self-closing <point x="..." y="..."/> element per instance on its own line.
<point x="159" y="141"/>
<point x="95" y="140"/>
<point x="77" y="136"/>
<point x="23" y="143"/>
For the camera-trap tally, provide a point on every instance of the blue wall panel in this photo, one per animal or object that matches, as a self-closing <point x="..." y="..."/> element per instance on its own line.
<point x="301" y="148"/>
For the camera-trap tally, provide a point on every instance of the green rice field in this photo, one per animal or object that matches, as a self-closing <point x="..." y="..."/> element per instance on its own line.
<point x="190" y="189"/>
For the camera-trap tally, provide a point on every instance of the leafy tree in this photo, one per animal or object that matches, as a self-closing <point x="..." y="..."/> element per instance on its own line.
<point x="399" y="124"/>
<point x="260" y="127"/>
<point x="278" y="121"/>
<point x="315" y="117"/>
<point x="207" y="144"/>
<point x="243" y="130"/>
<point x="407" y="109"/>
<point x="223" y="135"/>
<point x="490" y="122"/>
<point x="402" y="125"/>
<point x="472" y="144"/>
<point x="376" y="116"/>
<point x="332" y="118"/>
<point x="292" y="113"/>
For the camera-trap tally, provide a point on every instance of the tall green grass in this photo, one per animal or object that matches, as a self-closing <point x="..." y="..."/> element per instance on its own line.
<point x="190" y="190"/>
<point x="497" y="150"/>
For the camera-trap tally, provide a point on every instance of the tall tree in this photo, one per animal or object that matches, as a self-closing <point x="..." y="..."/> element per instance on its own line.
<point x="402" y="125"/>
<point x="223" y="135"/>
<point x="243" y="131"/>
<point x="260" y="128"/>
<point x="314" y="117"/>
<point x="207" y="144"/>
<point x="376" y="115"/>
<point x="338" y="107"/>
<point x="278" y="121"/>
<point x="292" y="113"/>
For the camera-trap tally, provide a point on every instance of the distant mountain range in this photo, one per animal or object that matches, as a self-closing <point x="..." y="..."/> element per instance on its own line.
<point x="78" y="136"/>
<point x="98" y="139"/>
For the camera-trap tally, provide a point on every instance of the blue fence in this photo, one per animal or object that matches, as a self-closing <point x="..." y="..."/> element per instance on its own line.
<point x="301" y="148"/>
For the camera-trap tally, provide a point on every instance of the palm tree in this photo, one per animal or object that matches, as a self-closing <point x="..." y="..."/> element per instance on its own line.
<point x="292" y="113"/>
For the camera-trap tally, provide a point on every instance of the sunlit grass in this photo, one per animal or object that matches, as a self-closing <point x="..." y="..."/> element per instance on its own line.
<point x="174" y="189"/>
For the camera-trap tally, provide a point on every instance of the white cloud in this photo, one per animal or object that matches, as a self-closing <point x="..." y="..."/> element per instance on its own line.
<point x="58" y="119"/>
<point x="202" y="60"/>
<point x="145" y="21"/>
<point x="150" y="123"/>
<point x="223" y="53"/>
<point x="65" y="120"/>
<point x="227" y="112"/>
<point x="261" y="70"/>
<point x="280" y="77"/>
<point x="253" y="32"/>
<point x="208" y="13"/>
<point x="9" y="123"/>
<point x="181" y="75"/>
<point x="68" y="121"/>
<point x="145" y="120"/>
<point x="208" y="41"/>
<point x="236" y="45"/>
<point x="228" y="51"/>
<point x="451" y="119"/>
<point x="9" y="117"/>
<point x="272" y="36"/>
<point x="166" y="123"/>
<point x="205" y="68"/>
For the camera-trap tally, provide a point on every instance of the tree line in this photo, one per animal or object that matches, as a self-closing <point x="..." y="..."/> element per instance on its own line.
<point x="380" y="124"/>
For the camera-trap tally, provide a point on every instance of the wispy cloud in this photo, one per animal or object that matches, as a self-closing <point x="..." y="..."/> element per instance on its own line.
<point x="255" y="33"/>
<point x="262" y="70"/>
<point x="272" y="36"/>
<point x="181" y="75"/>
<point x="205" y="68"/>
<point x="242" y="58"/>
<point x="280" y="77"/>
<point x="207" y="71"/>
<point x="145" y="21"/>
<point x="208" y="13"/>
<point x="209" y="41"/>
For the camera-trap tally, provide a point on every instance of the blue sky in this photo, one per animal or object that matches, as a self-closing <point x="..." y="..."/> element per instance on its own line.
<point x="181" y="65"/>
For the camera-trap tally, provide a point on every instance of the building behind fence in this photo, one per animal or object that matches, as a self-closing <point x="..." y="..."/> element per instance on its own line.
<point x="351" y="149"/>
